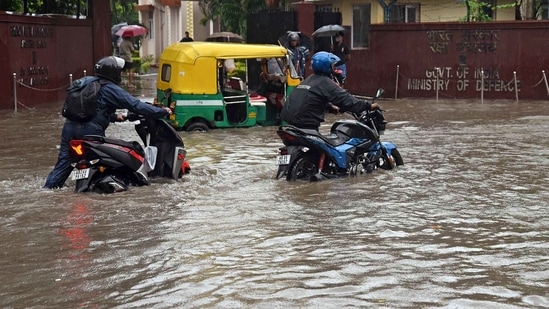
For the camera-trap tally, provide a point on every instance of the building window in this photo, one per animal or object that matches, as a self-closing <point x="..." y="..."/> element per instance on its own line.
<point x="324" y="8"/>
<point x="404" y="13"/>
<point x="361" y="25"/>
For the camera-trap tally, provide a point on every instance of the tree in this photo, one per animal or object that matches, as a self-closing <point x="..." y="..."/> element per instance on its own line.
<point x="231" y="14"/>
<point x="123" y="11"/>
<point x="482" y="11"/>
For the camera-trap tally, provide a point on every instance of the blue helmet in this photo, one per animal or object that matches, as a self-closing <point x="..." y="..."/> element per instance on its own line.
<point x="322" y="62"/>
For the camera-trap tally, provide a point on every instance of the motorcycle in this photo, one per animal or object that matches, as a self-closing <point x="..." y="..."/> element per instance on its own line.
<point x="352" y="148"/>
<point x="108" y="165"/>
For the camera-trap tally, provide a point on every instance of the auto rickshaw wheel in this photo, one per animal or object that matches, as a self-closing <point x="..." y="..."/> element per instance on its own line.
<point x="197" y="127"/>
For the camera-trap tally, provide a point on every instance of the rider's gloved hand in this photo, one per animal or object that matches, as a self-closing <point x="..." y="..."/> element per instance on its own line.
<point x="333" y="109"/>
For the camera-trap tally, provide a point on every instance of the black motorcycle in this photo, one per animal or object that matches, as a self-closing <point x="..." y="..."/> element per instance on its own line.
<point x="108" y="165"/>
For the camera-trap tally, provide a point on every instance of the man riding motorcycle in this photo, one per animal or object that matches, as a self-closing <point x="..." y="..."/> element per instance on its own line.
<point x="306" y="105"/>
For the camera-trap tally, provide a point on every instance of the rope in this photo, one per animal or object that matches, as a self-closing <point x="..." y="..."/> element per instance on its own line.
<point x="45" y="90"/>
<point x="540" y="81"/>
<point x="18" y="102"/>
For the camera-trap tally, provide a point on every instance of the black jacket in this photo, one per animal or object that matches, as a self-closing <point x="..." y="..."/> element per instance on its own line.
<point x="306" y="105"/>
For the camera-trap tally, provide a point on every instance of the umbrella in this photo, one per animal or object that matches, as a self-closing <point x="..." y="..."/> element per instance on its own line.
<point x="131" y="30"/>
<point x="225" y="37"/>
<point x="328" y="31"/>
<point x="114" y="29"/>
<point x="304" y="40"/>
<point x="117" y="27"/>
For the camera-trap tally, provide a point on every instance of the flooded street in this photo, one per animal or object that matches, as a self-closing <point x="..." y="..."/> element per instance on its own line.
<point x="463" y="224"/>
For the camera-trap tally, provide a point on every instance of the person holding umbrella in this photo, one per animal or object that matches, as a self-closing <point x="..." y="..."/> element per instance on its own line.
<point x="341" y="50"/>
<point x="126" y="50"/>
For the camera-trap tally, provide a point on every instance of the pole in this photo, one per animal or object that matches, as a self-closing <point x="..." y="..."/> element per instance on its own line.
<point x="545" y="79"/>
<point x="85" y="72"/>
<point x="516" y="85"/>
<point x="436" y="84"/>
<point x="396" y="83"/>
<point x="15" y="92"/>
<point x="70" y="78"/>
<point x="482" y="86"/>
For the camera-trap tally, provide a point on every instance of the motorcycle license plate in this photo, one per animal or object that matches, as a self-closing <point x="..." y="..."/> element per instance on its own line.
<point x="81" y="174"/>
<point x="283" y="160"/>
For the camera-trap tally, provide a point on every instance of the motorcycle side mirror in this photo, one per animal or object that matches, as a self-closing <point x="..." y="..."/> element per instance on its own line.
<point x="380" y="92"/>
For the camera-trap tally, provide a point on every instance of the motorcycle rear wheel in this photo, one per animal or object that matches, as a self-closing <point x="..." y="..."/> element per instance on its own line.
<point x="304" y="168"/>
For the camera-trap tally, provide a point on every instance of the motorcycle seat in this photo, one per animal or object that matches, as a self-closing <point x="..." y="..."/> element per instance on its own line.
<point x="333" y="139"/>
<point x="132" y="145"/>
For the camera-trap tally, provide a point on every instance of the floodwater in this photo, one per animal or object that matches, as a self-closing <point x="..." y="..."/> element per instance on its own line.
<point x="463" y="224"/>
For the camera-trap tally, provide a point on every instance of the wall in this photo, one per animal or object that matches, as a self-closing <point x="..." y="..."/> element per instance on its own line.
<point x="411" y="54"/>
<point x="43" y="50"/>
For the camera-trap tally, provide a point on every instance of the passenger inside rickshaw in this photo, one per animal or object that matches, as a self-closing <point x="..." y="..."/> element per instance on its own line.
<point x="233" y="95"/>
<point x="273" y="82"/>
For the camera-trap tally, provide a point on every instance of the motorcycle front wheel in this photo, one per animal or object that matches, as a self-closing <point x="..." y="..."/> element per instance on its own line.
<point x="304" y="168"/>
<point x="397" y="160"/>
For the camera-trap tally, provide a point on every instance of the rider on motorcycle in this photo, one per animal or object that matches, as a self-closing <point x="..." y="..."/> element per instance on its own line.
<point x="111" y="97"/>
<point x="307" y="103"/>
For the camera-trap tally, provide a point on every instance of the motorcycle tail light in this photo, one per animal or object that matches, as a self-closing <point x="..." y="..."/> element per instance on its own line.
<point x="136" y="155"/>
<point x="283" y="151"/>
<point x="77" y="147"/>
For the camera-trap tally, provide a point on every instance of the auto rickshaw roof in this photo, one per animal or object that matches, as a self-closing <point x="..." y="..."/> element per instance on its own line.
<point x="188" y="52"/>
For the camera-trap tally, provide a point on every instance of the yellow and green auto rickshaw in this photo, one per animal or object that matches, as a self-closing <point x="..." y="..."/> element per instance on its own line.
<point x="224" y="85"/>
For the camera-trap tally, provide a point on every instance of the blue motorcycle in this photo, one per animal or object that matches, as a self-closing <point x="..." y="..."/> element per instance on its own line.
<point x="352" y="148"/>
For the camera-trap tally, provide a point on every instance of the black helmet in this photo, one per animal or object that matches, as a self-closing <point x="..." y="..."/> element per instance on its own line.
<point x="110" y="68"/>
<point x="293" y="36"/>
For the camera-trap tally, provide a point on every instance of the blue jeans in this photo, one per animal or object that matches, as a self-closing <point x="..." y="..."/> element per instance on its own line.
<point x="63" y="168"/>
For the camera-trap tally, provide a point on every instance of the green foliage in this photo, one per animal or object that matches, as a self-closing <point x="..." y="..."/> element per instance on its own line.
<point x="231" y="13"/>
<point x="477" y="10"/>
<point x="123" y="11"/>
<point x="11" y="5"/>
<point x="75" y="7"/>
<point x="240" y="70"/>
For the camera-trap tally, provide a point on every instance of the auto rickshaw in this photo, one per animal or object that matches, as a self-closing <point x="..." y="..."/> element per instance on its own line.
<point x="224" y="85"/>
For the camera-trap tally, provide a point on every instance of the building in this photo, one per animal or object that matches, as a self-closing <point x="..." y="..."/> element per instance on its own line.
<point x="167" y="21"/>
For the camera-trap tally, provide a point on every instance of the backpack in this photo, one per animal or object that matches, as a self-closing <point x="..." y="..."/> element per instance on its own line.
<point x="81" y="102"/>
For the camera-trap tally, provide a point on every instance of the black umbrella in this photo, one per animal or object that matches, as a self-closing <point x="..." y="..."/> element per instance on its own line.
<point x="225" y="36"/>
<point x="117" y="27"/>
<point x="328" y="31"/>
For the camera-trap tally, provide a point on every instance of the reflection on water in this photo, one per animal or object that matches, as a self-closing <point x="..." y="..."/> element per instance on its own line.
<point x="463" y="224"/>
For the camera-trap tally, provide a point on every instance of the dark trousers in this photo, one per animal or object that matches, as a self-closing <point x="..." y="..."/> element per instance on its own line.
<point x="63" y="168"/>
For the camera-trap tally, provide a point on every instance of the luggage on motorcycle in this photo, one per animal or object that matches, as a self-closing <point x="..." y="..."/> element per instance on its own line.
<point x="81" y="101"/>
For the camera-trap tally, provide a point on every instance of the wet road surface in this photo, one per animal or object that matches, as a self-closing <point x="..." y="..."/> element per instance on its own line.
<point x="463" y="224"/>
